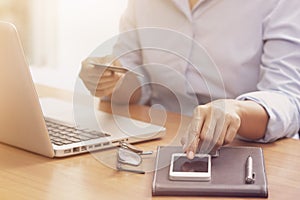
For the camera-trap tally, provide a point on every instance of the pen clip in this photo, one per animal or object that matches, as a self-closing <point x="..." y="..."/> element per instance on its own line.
<point x="250" y="179"/>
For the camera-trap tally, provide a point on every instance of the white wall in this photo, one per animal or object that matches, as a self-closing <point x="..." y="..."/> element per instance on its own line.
<point x="83" y="25"/>
<point x="67" y="31"/>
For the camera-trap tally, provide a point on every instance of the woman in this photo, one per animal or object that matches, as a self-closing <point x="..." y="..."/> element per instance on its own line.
<point x="249" y="85"/>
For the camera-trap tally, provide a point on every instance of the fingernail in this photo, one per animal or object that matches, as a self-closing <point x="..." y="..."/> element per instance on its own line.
<point x="190" y="155"/>
<point x="184" y="146"/>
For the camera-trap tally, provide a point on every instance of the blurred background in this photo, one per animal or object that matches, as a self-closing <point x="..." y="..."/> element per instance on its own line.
<point x="58" y="34"/>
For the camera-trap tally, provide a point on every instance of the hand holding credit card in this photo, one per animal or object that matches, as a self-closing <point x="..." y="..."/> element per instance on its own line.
<point x="116" y="68"/>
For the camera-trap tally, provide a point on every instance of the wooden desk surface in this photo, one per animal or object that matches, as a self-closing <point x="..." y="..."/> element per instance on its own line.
<point x="24" y="175"/>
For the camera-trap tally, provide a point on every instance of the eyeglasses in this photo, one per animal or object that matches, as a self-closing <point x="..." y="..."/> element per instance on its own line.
<point x="130" y="155"/>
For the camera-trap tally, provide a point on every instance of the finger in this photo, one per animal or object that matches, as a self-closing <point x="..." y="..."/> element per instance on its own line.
<point x="183" y="142"/>
<point x="100" y="73"/>
<point x="187" y="140"/>
<point x="207" y="135"/>
<point x="220" y="133"/>
<point x="91" y="74"/>
<point x="94" y="84"/>
<point x="105" y="92"/>
<point x="90" y="86"/>
<point x="93" y="80"/>
<point x="233" y="127"/>
<point x="192" y="149"/>
<point x="193" y="136"/>
<point x="230" y="134"/>
<point x="108" y="80"/>
<point x="104" y="86"/>
<point x="96" y="80"/>
<point x="194" y="129"/>
<point x="99" y="89"/>
<point x="116" y="62"/>
<point x="107" y="73"/>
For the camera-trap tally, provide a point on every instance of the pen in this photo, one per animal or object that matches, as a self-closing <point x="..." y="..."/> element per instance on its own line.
<point x="250" y="175"/>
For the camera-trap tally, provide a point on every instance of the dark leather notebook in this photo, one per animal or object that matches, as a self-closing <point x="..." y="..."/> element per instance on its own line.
<point x="227" y="175"/>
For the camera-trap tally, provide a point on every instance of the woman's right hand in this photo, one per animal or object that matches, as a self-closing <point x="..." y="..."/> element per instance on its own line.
<point x="99" y="82"/>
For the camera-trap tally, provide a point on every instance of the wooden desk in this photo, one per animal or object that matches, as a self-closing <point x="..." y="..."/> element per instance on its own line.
<point x="24" y="175"/>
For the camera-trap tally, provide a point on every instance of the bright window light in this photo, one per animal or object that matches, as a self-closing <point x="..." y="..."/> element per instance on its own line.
<point x="59" y="34"/>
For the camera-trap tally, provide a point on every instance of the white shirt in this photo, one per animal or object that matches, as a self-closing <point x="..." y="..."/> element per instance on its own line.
<point x="221" y="49"/>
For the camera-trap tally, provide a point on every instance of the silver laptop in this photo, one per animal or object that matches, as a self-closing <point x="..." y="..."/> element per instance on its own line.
<point x="48" y="127"/>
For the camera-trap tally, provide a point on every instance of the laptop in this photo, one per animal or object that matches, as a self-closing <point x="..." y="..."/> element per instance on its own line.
<point x="48" y="127"/>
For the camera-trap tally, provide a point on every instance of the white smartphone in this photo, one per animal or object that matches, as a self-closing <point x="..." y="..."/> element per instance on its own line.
<point x="198" y="169"/>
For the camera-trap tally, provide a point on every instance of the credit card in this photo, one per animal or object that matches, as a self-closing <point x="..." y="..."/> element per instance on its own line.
<point x="116" y="69"/>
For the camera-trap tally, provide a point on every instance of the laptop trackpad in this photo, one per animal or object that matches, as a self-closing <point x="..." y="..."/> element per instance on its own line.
<point x="89" y="117"/>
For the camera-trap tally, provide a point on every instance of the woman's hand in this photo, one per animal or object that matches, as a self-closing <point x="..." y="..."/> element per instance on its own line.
<point x="213" y="125"/>
<point x="99" y="82"/>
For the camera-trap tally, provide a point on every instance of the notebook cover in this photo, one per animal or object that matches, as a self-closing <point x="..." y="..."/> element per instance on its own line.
<point x="227" y="175"/>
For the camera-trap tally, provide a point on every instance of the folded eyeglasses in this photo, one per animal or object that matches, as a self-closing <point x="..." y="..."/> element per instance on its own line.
<point x="130" y="155"/>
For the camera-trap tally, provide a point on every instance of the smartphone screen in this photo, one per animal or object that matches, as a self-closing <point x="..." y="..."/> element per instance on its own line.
<point x="183" y="164"/>
<point x="182" y="168"/>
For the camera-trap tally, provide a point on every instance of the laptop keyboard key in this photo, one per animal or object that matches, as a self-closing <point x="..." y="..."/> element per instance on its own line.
<point x="61" y="134"/>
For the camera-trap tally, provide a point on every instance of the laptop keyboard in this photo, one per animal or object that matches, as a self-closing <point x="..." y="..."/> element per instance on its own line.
<point x="61" y="134"/>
